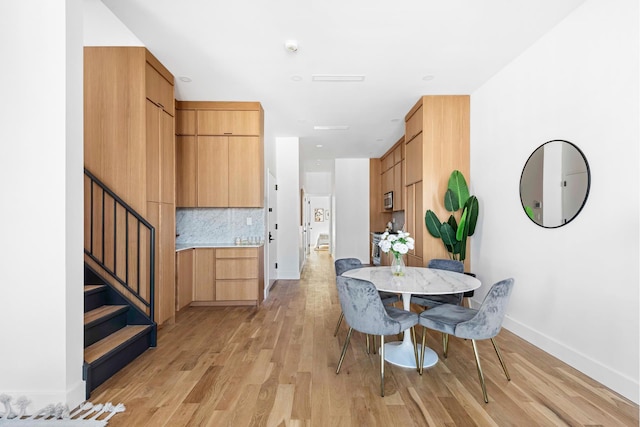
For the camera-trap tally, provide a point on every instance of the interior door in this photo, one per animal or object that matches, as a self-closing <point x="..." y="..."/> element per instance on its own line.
<point x="272" y="240"/>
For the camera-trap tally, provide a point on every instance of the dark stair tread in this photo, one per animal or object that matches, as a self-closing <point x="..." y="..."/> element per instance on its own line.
<point x="97" y="350"/>
<point x="102" y="312"/>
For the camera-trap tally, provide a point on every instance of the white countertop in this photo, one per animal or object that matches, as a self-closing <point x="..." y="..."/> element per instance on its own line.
<point x="183" y="246"/>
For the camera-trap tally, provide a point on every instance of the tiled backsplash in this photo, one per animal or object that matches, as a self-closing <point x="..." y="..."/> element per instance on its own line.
<point x="218" y="225"/>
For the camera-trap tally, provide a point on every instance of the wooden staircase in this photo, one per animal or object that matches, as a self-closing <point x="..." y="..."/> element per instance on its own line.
<point x="115" y="331"/>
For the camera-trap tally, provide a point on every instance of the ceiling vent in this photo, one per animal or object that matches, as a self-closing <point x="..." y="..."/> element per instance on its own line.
<point x="341" y="127"/>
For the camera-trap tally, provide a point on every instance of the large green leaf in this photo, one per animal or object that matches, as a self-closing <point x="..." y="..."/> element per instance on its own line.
<point x="448" y="235"/>
<point x="463" y="248"/>
<point x="452" y="222"/>
<point x="432" y="223"/>
<point x="451" y="201"/>
<point x="472" y="208"/>
<point x="463" y="227"/>
<point x="458" y="185"/>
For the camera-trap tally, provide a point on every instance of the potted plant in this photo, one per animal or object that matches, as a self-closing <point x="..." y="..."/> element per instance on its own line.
<point x="454" y="231"/>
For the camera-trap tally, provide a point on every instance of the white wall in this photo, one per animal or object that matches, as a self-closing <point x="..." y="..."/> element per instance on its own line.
<point x="289" y="231"/>
<point x="103" y="28"/>
<point x="576" y="291"/>
<point x="41" y="187"/>
<point x="318" y="183"/>
<point x="351" y="212"/>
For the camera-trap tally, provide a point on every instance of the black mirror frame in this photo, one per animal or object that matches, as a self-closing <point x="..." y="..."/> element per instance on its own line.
<point x="586" y="195"/>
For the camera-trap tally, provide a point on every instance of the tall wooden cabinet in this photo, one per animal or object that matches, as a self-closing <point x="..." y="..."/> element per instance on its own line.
<point x="129" y="144"/>
<point x="220" y="154"/>
<point x="437" y="142"/>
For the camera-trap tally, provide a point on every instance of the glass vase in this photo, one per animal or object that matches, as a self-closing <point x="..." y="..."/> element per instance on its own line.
<point x="397" y="265"/>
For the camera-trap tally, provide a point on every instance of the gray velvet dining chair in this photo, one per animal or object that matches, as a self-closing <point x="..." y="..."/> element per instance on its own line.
<point x="345" y="264"/>
<point x="364" y="312"/>
<point x="468" y="323"/>
<point x="436" y="300"/>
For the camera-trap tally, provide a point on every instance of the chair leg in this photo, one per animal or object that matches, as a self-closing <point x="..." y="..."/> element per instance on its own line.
<point x="445" y="345"/>
<point x="344" y="350"/>
<point x="424" y="341"/>
<point x="480" y="374"/>
<point x="382" y="365"/>
<point x="338" y="325"/>
<point x="504" y="366"/>
<point x="415" y="348"/>
<point x="368" y="345"/>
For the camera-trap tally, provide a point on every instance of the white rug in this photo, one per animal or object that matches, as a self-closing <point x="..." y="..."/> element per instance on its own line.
<point x="86" y="415"/>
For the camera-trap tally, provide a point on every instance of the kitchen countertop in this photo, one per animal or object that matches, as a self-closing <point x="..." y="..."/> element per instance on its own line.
<point x="183" y="246"/>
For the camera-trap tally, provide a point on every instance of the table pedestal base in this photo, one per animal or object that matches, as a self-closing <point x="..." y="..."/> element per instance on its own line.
<point x="400" y="353"/>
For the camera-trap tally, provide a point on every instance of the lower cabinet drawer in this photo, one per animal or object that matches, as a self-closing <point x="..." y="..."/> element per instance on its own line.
<point x="236" y="290"/>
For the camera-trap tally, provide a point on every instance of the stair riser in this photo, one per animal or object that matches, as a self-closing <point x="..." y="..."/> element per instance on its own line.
<point x="104" y="368"/>
<point x="95" y="332"/>
<point x="95" y="299"/>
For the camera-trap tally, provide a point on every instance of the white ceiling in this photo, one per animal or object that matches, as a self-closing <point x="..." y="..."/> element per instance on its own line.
<point x="235" y="51"/>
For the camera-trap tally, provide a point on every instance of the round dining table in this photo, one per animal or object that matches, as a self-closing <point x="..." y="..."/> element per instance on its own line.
<point x="416" y="281"/>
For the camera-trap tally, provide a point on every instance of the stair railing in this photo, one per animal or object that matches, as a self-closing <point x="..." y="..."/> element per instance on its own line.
<point x="120" y="241"/>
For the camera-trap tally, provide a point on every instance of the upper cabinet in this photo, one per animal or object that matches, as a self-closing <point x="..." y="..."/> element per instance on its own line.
<point x="220" y="154"/>
<point x="392" y="174"/>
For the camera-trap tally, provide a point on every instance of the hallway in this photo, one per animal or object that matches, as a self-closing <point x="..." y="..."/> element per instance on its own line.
<point x="275" y="366"/>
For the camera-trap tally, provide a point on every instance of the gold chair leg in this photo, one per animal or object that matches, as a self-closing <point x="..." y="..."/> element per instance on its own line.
<point x="480" y="374"/>
<point x="382" y="365"/>
<point x="445" y="344"/>
<point x="504" y="366"/>
<point x="415" y="348"/>
<point x="338" y="325"/>
<point x="424" y="341"/>
<point x="375" y="346"/>
<point x="368" y="345"/>
<point x="344" y="350"/>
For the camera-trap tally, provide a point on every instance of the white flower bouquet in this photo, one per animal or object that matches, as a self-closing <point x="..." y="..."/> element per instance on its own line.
<point x="398" y="244"/>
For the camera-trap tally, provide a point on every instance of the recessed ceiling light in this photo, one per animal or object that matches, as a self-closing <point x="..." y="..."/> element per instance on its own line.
<point x="379" y="139"/>
<point x="291" y="45"/>
<point x="331" y="127"/>
<point x="185" y="79"/>
<point x="337" y="78"/>
<point x="319" y="145"/>
<point x="395" y="120"/>
<point x="296" y="78"/>
<point x="428" y="77"/>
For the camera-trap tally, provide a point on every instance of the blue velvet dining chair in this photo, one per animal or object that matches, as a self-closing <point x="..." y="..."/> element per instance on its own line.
<point x="364" y="312"/>
<point x="435" y="300"/>
<point x="462" y="322"/>
<point x="346" y="264"/>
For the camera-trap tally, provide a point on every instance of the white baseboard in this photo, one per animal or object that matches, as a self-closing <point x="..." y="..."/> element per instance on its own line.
<point x="288" y="275"/>
<point x="606" y="375"/>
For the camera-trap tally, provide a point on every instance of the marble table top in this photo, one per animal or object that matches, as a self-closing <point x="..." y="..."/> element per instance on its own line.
<point x="417" y="280"/>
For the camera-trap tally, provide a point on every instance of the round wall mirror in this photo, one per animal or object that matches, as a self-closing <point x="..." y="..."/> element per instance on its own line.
<point x="555" y="183"/>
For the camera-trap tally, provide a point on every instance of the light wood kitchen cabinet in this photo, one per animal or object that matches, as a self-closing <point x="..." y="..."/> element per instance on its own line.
<point x="413" y="172"/>
<point x="186" y="171"/>
<point x="398" y="186"/>
<point x="239" y="275"/>
<point x="212" y="182"/>
<point x="161" y="153"/>
<point x="184" y="278"/>
<point x="163" y="218"/>
<point x="229" y="160"/>
<point x="387" y="162"/>
<point x="158" y="88"/>
<point x="186" y="122"/>
<point x="387" y="182"/>
<point x="437" y="142"/>
<point x="216" y="122"/>
<point x="204" y="276"/>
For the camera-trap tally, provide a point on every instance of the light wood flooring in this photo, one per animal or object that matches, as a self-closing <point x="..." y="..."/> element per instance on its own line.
<point x="275" y="366"/>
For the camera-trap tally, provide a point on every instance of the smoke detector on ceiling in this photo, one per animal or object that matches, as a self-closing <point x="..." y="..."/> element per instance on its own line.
<point x="291" y="45"/>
